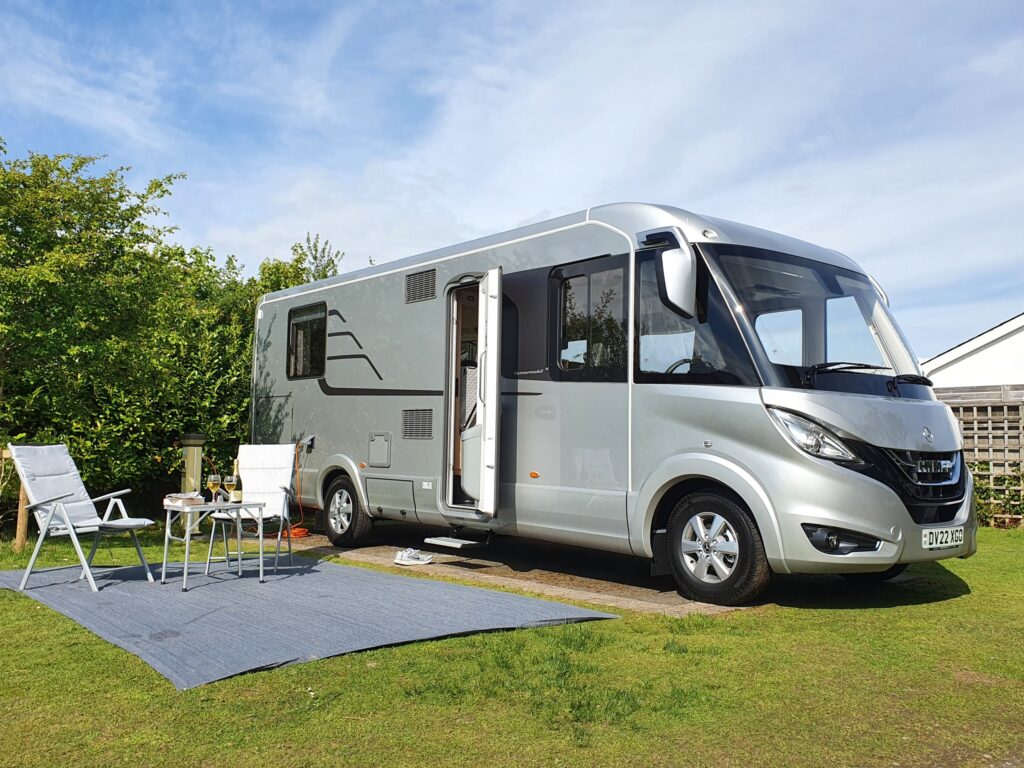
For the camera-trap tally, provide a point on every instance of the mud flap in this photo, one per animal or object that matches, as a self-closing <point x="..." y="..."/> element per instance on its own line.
<point x="660" y="563"/>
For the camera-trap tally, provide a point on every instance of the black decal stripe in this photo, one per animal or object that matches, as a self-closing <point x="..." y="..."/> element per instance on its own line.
<point x="520" y="394"/>
<point x="346" y="333"/>
<point x="358" y="357"/>
<point x="338" y="315"/>
<point x="330" y="391"/>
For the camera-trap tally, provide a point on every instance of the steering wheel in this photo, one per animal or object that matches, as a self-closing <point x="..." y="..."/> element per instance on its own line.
<point x="677" y="363"/>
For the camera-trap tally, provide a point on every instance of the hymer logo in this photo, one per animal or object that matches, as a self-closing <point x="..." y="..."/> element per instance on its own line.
<point x="934" y="466"/>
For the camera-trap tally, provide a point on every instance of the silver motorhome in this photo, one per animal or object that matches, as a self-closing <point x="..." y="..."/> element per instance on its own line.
<point x="726" y="401"/>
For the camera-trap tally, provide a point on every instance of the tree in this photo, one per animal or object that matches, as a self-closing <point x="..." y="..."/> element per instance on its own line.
<point x="80" y="272"/>
<point x="114" y="340"/>
<point x="318" y="260"/>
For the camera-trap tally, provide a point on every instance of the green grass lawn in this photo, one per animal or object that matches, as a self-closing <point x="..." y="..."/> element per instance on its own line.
<point x="924" y="672"/>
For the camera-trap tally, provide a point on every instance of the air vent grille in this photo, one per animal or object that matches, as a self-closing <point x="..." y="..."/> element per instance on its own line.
<point x="420" y="286"/>
<point x="418" y="424"/>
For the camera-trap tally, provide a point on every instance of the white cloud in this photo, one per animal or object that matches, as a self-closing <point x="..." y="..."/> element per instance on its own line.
<point x="392" y="132"/>
<point x="38" y="76"/>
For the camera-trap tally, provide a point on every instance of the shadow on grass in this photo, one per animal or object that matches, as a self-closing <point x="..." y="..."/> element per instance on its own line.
<point x="920" y="584"/>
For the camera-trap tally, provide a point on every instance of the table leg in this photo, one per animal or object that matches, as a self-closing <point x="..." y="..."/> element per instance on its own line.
<point x="167" y="541"/>
<point x="188" y="546"/>
<point x="260" y="526"/>
<point x="238" y="532"/>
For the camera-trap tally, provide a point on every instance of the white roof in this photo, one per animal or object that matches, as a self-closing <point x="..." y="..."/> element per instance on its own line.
<point x="974" y="344"/>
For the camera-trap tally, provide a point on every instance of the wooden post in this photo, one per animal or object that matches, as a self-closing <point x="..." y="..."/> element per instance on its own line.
<point x="21" y="532"/>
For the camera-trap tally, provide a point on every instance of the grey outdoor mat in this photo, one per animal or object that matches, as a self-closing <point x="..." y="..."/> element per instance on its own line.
<point x="310" y="611"/>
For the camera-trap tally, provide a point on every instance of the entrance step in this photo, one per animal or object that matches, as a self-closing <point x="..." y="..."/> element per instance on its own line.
<point x="453" y="543"/>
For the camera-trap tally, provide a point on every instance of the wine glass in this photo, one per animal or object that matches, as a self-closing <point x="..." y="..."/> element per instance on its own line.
<point x="230" y="483"/>
<point x="213" y="483"/>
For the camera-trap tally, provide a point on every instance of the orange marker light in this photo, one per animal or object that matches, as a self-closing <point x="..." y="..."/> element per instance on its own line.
<point x="362" y="465"/>
<point x="535" y="475"/>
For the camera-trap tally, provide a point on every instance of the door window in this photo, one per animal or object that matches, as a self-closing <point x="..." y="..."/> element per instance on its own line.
<point x="705" y="349"/>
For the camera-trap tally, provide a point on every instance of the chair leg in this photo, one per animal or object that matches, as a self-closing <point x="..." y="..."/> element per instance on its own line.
<point x="81" y="556"/>
<point x="209" y="551"/>
<point x="92" y="552"/>
<point x="224" y="534"/>
<point x="32" y="560"/>
<point x="277" y="552"/>
<point x="142" y="557"/>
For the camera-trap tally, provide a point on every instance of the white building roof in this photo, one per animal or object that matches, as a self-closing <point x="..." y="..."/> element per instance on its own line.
<point x="975" y="359"/>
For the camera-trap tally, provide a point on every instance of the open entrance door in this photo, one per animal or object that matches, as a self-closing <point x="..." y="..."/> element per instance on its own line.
<point x="478" y="436"/>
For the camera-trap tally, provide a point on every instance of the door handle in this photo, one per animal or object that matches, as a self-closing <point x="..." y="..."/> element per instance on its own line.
<point x="482" y="393"/>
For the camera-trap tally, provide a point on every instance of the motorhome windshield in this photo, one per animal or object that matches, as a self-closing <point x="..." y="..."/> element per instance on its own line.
<point x="820" y="326"/>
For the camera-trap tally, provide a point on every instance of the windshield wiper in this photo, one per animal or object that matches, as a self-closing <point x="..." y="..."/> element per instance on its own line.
<point x="812" y="371"/>
<point x="913" y="378"/>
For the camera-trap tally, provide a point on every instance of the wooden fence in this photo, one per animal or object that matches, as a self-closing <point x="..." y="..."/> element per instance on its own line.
<point x="992" y="421"/>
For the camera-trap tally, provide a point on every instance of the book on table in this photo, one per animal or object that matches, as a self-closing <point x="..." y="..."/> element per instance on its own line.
<point x="193" y="499"/>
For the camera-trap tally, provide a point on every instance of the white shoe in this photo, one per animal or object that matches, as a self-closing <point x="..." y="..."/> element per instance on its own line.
<point x="412" y="557"/>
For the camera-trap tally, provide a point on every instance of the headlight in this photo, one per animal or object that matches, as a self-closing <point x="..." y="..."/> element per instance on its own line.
<point x="812" y="438"/>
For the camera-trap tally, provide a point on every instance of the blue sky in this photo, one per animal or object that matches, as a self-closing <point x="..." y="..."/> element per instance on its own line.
<point x="893" y="132"/>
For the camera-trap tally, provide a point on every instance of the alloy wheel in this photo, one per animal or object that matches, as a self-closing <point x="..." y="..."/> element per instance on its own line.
<point x="339" y="514"/>
<point x="709" y="547"/>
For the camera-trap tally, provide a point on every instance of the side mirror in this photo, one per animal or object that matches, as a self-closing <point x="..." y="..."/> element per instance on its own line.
<point x="677" y="271"/>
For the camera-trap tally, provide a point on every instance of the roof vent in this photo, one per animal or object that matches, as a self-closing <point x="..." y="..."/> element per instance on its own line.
<point x="420" y="286"/>
<point x="418" y="424"/>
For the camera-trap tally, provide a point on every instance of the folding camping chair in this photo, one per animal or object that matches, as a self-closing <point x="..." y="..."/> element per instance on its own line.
<point x="62" y="507"/>
<point x="266" y="472"/>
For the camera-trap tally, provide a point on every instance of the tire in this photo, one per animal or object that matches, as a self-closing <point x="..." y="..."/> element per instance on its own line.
<point x="875" y="577"/>
<point x="345" y="520"/>
<point x="729" y="568"/>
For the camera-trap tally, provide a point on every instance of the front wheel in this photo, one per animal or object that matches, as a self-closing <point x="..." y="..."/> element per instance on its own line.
<point x="716" y="550"/>
<point x="346" y="521"/>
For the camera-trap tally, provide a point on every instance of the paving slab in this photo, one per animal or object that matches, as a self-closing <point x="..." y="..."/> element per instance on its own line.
<point x="544" y="568"/>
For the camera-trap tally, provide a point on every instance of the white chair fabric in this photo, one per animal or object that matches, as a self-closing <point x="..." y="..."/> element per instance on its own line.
<point x="62" y="505"/>
<point x="48" y="471"/>
<point x="266" y="472"/>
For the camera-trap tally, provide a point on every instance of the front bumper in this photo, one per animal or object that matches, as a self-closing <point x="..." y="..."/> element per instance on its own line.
<point x="862" y="505"/>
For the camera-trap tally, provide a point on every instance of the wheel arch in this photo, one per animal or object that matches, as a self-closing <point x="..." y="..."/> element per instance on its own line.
<point x="686" y="473"/>
<point x="339" y="466"/>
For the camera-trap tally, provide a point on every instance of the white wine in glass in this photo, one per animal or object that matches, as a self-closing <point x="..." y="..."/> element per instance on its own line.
<point x="213" y="483"/>
<point x="230" y="483"/>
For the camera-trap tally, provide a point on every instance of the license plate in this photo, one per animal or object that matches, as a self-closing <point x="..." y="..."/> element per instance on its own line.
<point x="942" y="538"/>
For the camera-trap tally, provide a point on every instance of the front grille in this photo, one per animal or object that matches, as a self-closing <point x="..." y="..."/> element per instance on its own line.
<point x="927" y="468"/>
<point x="931" y="485"/>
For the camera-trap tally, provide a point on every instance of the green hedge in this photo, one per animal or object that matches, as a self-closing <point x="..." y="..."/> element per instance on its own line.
<point x="113" y="339"/>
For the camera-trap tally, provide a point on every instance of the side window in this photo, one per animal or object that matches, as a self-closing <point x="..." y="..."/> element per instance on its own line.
<point x="706" y="349"/>
<point x="307" y="341"/>
<point x="575" y="323"/>
<point x="782" y="334"/>
<point x="591" y="315"/>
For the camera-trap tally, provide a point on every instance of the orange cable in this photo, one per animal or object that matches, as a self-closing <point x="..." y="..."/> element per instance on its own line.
<point x="297" y="531"/>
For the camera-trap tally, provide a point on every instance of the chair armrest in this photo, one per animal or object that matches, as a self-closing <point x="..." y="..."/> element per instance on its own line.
<point x="49" y="501"/>
<point x="288" y="492"/>
<point x="113" y="495"/>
